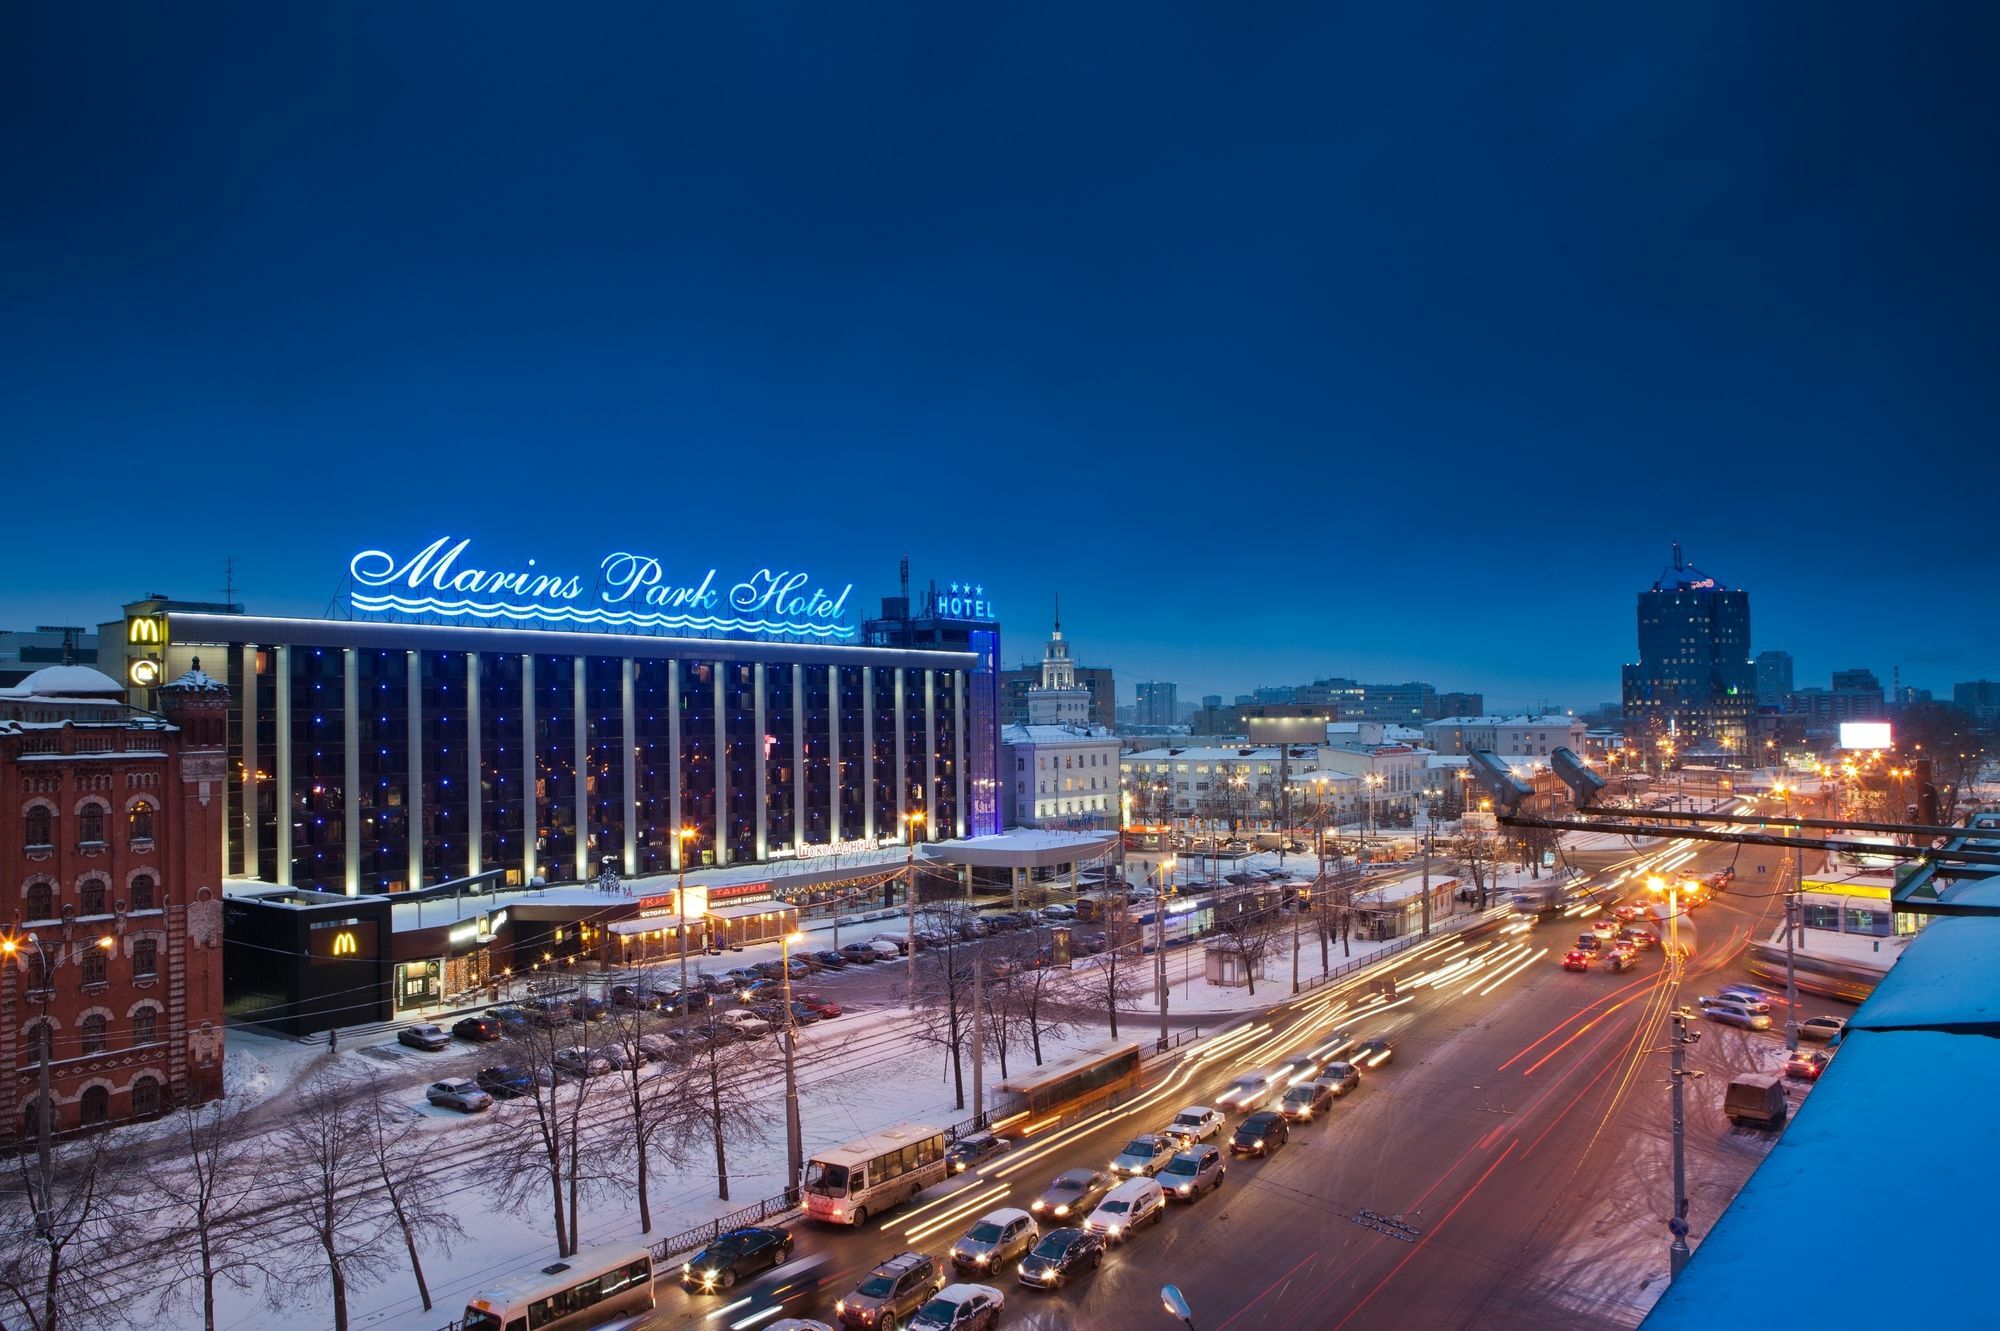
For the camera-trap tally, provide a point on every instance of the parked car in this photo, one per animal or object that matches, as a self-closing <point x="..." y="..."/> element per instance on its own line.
<point x="999" y="1237"/>
<point x="832" y="960"/>
<point x="1196" y="1123"/>
<point x="512" y="1019"/>
<point x="885" y="949"/>
<point x="460" y="1093"/>
<point x="577" y="1061"/>
<point x="1303" y="1102"/>
<point x="1061" y="1255"/>
<point x="1807" y="1064"/>
<point x="747" y="1025"/>
<point x="1193" y="1172"/>
<point x="1822" y="1028"/>
<point x="733" y="1255"/>
<point x="1342" y="1078"/>
<point x="633" y="997"/>
<point x="893" y="1291"/>
<point x="426" y="1035"/>
<point x="741" y="978"/>
<point x="860" y="954"/>
<point x="505" y="1082"/>
<point x="549" y="1011"/>
<point x="769" y="970"/>
<point x="1074" y="1193"/>
<point x="972" y="1151"/>
<point x="1373" y="1053"/>
<point x="619" y="1056"/>
<point x="898" y="944"/>
<point x="1145" y="1154"/>
<point x="1260" y="1134"/>
<point x="762" y="991"/>
<point x="960" y="1308"/>
<point x="661" y="1048"/>
<point x="1091" y="944"/>
<point x="1733" y="1014"/>
<point x="586" y="1008"/>
<point x="1058" y="911"/>
<point x="1128" y="1208"/>
<point x="686" y="1001"/>
<point x="971" y="929"/>
<point x="822" y="1007"/>
<point x="479" y="1030"/>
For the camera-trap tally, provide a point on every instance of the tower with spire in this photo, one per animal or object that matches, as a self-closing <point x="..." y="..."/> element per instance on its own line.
<point x="1059" y="700"/>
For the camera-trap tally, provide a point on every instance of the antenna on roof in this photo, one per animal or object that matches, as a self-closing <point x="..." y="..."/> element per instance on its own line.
<point x="1058" y="614"/>
<point x="1678" y="565"/>
<point x="906" y="580"/>
<point x="229" y="580"/>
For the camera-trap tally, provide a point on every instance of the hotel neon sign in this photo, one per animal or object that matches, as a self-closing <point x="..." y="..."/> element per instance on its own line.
<point x="630" y="591"/>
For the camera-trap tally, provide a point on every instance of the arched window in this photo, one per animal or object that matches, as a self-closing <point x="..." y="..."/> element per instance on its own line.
<point x="93" y="966"/>
<point x="93" y="896"/>
<point x="146" y="1097"/>
<point x="142" y="892"/>
<point x="41" y="902"/>
<point x="40" y="827"/>
<point x="145" y="1025"/>
<point x="145" y="958"/>
<point x="140" y="821"/>
<point x="90" y="825"/>
<point x="96" y="1106"/>
<point x="92" y="1029"/>
<point x="41" y="971"/>
<point x="36" y="1039"/>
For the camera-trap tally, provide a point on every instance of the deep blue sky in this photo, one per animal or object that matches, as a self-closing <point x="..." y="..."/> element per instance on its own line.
<point x="1392" y="342"/>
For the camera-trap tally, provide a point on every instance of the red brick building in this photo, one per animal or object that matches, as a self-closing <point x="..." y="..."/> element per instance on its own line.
<point x="110" y="895"/>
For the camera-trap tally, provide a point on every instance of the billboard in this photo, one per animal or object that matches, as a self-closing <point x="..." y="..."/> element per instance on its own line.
<point x="1865" y="735"/>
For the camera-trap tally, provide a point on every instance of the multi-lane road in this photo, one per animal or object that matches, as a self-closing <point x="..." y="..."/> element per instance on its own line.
<point x="1509" y="1168"/>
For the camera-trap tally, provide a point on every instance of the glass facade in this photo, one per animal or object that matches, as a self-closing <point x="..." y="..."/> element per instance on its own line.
<point x="404" y="766"/>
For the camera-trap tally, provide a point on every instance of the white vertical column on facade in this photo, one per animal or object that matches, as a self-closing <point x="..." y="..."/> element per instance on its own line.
<point x="628" y="679"/>
<point x="721" y="838"/>
<point x="867" y="773"/>
<point x="959" y="765"/>
<point x="530" y="812"/>
<point x="930" y="750"/>
<point x="580" y="770"/>
<point x="833" y="773"/>
<point x="902" y="759"/>
<point x="413" y="798"/>
<point x="281" y="717"/>
<point x="676" y="846"/>
<point x="250" y="747"/>
<point x="475" y="774"/>
<point x="758" y="784"/>
<point x="350" y="773"/>
<point x="800" y="787"/>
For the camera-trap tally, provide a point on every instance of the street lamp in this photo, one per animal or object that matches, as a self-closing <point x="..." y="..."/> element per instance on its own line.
<point x="1176" y="1304"/>
<point x="913" y="822"/>
<point x="1677" y="1251"/>
<point x="1160" y="943"/>
<point x="683" y="836"/>
<point x="794" y="1149"/>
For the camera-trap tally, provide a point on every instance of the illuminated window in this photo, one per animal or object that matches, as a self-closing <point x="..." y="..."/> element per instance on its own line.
<point x="140" y="821"/>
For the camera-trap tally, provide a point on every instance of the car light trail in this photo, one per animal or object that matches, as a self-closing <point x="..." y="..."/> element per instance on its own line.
<point x="1514" y="970"/>
<point x="947" y="1219"/>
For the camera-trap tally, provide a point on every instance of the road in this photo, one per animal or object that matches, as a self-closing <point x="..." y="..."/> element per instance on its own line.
<point x="1511" y="1164"/>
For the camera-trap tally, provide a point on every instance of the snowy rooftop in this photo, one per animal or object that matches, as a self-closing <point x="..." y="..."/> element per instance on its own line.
<point x="67" y="681"/>
<point x="1525" y="719"/>
<point x="1054" y="734"/>
<point x="1268" y="752"/>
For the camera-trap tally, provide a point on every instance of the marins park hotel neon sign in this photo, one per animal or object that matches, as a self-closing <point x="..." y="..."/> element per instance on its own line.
<point x="629" y="592"/>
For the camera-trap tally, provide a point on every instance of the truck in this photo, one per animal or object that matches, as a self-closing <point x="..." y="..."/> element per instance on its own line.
<point x="1538" y="897"/>
<point x="1756" y="1100"/>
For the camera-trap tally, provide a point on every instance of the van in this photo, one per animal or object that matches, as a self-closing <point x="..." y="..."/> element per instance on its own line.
<point x="1756" y="1100"/>
<point x="1127" y="1208"/>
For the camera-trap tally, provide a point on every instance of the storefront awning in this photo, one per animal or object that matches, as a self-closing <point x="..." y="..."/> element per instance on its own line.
<point x="753" y="909"/>
<point x="651" y="924"/>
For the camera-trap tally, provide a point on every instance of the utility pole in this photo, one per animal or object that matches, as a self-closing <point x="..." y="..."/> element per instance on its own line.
<point x="1677" y="1252"/>
<point x="1160" y="946"/>
<point x="1427" y="875"/>
<point x="978" y="1038"/>
<point x="911" y="822"/>
<point x="683" y="836"/>
<point x="1788" y="884"/>
<point x="794" y="1149"/>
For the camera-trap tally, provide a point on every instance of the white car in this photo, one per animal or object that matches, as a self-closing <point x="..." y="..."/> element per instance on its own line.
<point x="1058" y="911"/>
<point x="1822" y="1028"/>
<point x="1196" y="1123"/>
<point x="888" y="949"/>
<point x="960" y="1308"/>
<point x="745" y="1023"/>
<point x="1250" y="1091"/>
<point x="1146" y="1154"/>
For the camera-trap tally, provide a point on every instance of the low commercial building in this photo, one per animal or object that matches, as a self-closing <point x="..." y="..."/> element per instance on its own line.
<point x="1508" y="736"/>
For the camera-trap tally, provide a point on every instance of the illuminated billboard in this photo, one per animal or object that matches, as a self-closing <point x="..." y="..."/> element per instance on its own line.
<point x="1865" y="735"/>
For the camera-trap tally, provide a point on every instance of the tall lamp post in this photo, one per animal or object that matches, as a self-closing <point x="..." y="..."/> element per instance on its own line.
<point x="911" y="823"/>
<point x="1160" y="941"/>
<point x="1429" y="797"/>
<point x="1677" y="1251"/>
<point x="683" y="835"/>
<point x="794" y="1148"/>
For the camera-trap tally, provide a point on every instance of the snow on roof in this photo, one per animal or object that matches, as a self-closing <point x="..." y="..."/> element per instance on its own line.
<point x="68" y="681"/>
<point x="1945" y="978"/>
<point x="1055" y="734"/>
<point x="197" y="678"/>
<point x="1524" y="719"/>
<point x="1316" y="776"/>
<point x="1246" y="752"/>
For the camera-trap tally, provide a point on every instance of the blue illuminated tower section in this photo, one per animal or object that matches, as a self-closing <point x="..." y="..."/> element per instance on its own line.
<point x="982" y="734"/>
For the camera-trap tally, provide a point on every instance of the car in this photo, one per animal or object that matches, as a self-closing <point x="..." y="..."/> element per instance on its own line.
<point x="1341" y="1078"/>
<point x="734" y="1254"/>
<point x="1751" y="995"/>
<point x="960" y="1308"/>
<point x="1057" y="911"/>
<point x="1092" y="944"/>
<point x="1074" y="1192"/>
<point x="1192" y="1172"/>
<point x="684" y="1001"/>
<point x="662" y="1047"/>
<point x="1807" y="1064"/>
<point x="1721" y="879"/>
<point x="740" y="978"/>
<point x="633" y="997"/>
<point x="1303" y="1102"/>
<point x="792" y="1285"/>
<point x="549" y="1011"/>
<point x="1196" y="1123"/>
<point x="1822" y="1028"/>
<point x="1302" y="1066"/>
<point x="1144" y="1154"/>
<point x="770" y="970"/>
<point x="968" y="930"/>
<point x="1128" y="1208"/>
<point x="894" y="1290"/>
<point x="426" y="1035"/>
<point x="997" y="1238"/>
<point x="1374" y="1052"/>
<point x="619" y="1056"/>
<point x="1061" y="1254"/>
<point x="898" y="944"/>
<point x="744" y="1024"/>
<point x="1605" y="928"/>
<point x="831" y="960"/>
<point x="713" y="984"/>
<point x="1725" y="998"/>
<point x="822" y="1007"/>
<point x="1260" y="1134"/>
<point x="1728" y="1014"/>
<point x="460" y="1093"/>
<point x="860" y="954"/>
<point x="1002" y="924"/>
<point x="798" y="1324"/>
<point x="1574" y="960"/>
<point x="1249" y="1091"/>
<point x="505" y="1082"/>
<point x="1619" y="960"/>
<point x="762" y="991"/>
<point x="1638" y="936"/>
<point x="479" y="1030"/>
<point x="577" y="1061"/>
<point x="1629" y="913"/>
<point x="586" y="1008"/>
<point x="975" y="1149"/>
<point x="512" y="1020"/>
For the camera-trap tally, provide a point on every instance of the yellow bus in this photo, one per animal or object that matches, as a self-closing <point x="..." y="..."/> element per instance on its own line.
<point x="869" y="1175"/>
<point x="587" y="1289"/>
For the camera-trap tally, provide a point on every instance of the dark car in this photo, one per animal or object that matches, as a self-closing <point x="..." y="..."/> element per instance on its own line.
<point x="512" y="1020"/>
<point x="504" y="1082"/>
<point x="631" y="996"/>
<point x="1303" y="1102"/>
<point x="424" y="1035"/>
<point x="1260" y="1134"/>
<point x="1194" y="1171"/>
<point x="860" y="952"/>
<point x="733" y="1255"/>
<point x="586" y="1008"/>
<point x="1062" y="1253"/>
<point x="892" y="1291"/>
<point x="1074" y="1193"/>
<point x="687" y="1000"/>
<point x="972" y="1151"/>
<point x="770" y="970"/>
<point x="832" y="960"/>
<point x="762" y="991"/>
<point x="785" y="1293"/>
<point x="479" y="1030"/>
<point x="1373" y="1053"/>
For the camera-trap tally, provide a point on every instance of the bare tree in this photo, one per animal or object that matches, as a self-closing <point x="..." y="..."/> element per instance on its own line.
<point x="1246" y="926"/>
<point x="944" y="995"/>
<point x="1477" y="856"/>
<point x="649" y="1101"/>
<point x="413" y="1194"/>
<point x="713" y="1089"/>
<point x="1041" y="995"/>
<point x="53" y="1254"/>
<point x="324" y="1174"/>
<point x="205" y="1186"/>
<point x="1111" y="978"/>
<point x="550" y="1146"/>
<point x="1951" y="738"/>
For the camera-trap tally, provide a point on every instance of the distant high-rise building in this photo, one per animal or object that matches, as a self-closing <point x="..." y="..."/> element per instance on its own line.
<point x="1774" y="676"/>
<point x="1857" y="696"/>
<point x="1159" y="704"/>
<point x="1408" y="704"/>
<point x="1458" y="704"/>
<point x="1342" y="693"/>
<point x="1274" y="693"/>
<point x="1693" y="682"/>
<point x="1981" y="697"/>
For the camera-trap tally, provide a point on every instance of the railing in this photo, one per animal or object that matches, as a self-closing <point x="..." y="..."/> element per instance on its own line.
<point x="688" y="1240"/>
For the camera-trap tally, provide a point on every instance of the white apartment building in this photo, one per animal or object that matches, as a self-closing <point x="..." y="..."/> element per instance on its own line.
<point x="1507" y="736"/>
<point x="1244" y="784"/>
<point x="1392" y="776"/>
<point x="1059" y="775"/>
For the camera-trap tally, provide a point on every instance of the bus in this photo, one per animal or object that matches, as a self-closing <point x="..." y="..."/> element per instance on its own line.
<point x="586" y="1289"/>
<point x="1084" y="1081"/>
<point x="871" y="1174"/>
